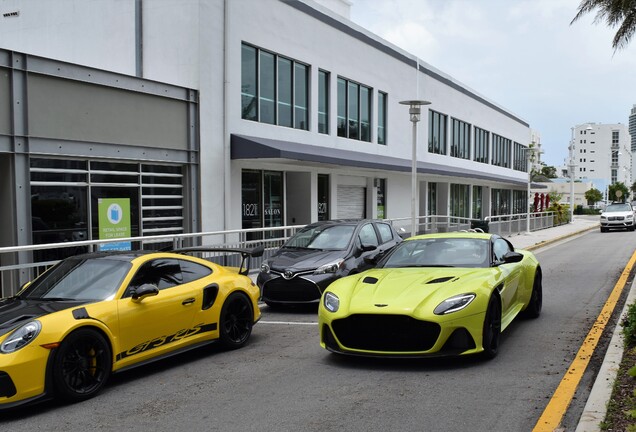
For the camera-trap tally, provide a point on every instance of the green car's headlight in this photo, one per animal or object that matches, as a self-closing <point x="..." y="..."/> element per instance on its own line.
<point x="331" y="302"/>
<point x="454" y="304"/>
<point x="21" y="337"/>
<point x="329" y="268"/>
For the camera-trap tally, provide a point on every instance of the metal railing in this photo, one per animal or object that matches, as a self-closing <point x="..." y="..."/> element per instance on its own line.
<point x="19" y="264"/>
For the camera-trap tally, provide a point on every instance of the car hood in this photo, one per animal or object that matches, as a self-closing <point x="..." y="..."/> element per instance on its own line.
<point x="303" y="259"/>
<point x="15" y="311"/>
<point x="619" y="213"/>
<point x="406" y="290"/>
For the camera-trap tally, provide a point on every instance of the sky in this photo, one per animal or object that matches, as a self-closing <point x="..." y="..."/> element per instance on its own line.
<point x="521" y="54"/>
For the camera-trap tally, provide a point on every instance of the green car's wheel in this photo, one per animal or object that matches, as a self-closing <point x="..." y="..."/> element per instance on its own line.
<point x="536" y="299"/>
<point x="236" y="321"/>
<point x="82" y="365"/>
<point x="492" y="328"/>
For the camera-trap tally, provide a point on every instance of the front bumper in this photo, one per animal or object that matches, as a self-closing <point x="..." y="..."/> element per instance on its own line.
<point x="23" y="376"/>
<point x="300" y="289"/>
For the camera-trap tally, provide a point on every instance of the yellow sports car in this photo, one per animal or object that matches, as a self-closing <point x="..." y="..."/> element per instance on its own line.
<point x="435" y="294"/>
<point x="95" y="314"/>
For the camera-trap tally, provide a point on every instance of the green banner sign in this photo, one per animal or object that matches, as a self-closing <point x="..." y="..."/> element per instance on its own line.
<point x="114" y="222"/>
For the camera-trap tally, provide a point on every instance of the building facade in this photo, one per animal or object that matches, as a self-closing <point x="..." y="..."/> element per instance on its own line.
<point x="632" y="128"/>
<point x="602" y="153"/>
<point x="209" y="115"/>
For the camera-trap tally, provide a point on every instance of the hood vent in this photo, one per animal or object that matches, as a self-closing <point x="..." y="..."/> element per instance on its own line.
<point x="441" y="280"/>
<point x="369" y="280"/>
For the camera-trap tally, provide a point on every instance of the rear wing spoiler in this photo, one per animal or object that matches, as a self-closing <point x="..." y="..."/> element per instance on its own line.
<point x="245" y="253"/>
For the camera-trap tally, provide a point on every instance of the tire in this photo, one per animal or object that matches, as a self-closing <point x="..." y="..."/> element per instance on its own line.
<point x="492" y="328"/>
<point x="533" y="310"/>
<point x="236" y="321"/>
<point x="82" y="365"/>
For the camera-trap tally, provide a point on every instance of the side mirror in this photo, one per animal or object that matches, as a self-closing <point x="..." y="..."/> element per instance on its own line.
<point x="146" y="290"/>
<point x="512" y="257"/>
<point x="368" y="248"/>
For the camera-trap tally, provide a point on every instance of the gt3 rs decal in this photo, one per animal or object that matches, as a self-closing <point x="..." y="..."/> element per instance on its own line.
<point x="163" y="340"/>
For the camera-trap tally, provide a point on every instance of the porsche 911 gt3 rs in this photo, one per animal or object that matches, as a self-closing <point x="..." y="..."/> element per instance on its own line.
<point x="434" y="294"/>
<point x="95" y="314"/>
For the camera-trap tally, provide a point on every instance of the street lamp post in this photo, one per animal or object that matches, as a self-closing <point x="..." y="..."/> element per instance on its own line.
<point x="571" y="168"/>
<point x="414" y="112"/>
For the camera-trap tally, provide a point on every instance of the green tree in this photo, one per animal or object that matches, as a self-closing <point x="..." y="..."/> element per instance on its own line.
<point x="618" y="186"/>
<point x="633" y="188"/>
<point x="593" y="196"/>
<point x="549" y="171"/>
<point x="616" y="13"/>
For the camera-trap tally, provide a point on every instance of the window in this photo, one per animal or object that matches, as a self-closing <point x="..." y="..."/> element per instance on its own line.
<point x="432" y="199"/>
<point x="519" y="201"/>
<point x="323" y="197"/>
<point x="482" y="138"/>
<point x="262" y="201"/>
<point x="437" y="132"/>
<point x="323" y="102"/>
<point x="501" y="151"/>
<point x="460" y="139"/>
<point x="381" y="198"/>
<point x="163" y="273"/>
<point x="354" y="110"/>
<point x="459" y="200"/>
<point x="367" y="236"/>
<point x="477" y="200"/>
<point x="500" y="199"/>
<point x="386" y="233"/>
<point x="520" y="163"/>
<point x="382" y="104"/>
<point x="274" y="89"/>
<point x="191" y="271"/>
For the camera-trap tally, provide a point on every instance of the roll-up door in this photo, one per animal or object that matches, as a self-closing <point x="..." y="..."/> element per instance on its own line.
<point x="351" y="202"/>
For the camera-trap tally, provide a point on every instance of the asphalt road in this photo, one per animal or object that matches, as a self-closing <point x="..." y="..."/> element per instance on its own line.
<point x="283" y="381"/>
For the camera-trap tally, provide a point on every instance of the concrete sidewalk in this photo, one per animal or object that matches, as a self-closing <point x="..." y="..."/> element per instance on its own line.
<point x="536" y="239"/>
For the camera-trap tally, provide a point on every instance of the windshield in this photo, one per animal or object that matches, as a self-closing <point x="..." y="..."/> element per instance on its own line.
<point x="437" y="252"/>
<point x="79" y="279"/>
<point x="332" y="237"/>
<point x="618" y="208"/>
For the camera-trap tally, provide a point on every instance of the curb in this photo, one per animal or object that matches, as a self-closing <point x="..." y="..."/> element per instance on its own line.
<point x="557" y="239"/>
<point x="596" y="406"/>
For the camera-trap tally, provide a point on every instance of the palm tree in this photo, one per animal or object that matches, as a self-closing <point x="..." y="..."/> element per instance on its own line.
<point x="621" y="13"/>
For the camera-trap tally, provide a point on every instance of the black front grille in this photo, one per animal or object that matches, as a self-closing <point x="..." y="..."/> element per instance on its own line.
<point x="616" y="218"/>
<point x="7" y="388"/>
<point x="389" y="333"/>
<point x="292" y="290"/>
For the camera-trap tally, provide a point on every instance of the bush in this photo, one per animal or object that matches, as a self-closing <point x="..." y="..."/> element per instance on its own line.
<point x="629" y="325"/>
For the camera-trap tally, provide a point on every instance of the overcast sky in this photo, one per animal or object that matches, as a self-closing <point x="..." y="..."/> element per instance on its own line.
<point x="522" y="54"/>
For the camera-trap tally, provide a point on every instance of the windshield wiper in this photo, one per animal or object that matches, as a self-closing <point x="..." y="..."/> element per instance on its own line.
<point x="52" y="298"/>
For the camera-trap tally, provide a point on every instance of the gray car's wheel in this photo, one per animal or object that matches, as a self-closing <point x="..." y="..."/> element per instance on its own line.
<point x="536" y="298"/>
<point x="236" y="321"/>
<point x="492" y="328"/>
<point x="82" y="365"/>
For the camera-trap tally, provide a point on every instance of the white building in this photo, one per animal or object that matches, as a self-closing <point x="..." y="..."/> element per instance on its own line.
<point x="234" y="114"/>
<point x="602" y="153"/>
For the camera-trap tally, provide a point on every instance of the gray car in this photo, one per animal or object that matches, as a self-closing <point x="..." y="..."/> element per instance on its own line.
<point x="320" y="253"/>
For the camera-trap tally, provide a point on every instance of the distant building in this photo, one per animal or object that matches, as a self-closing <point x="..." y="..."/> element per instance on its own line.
<point x="632" y="128"/>
<point x="602" y="153"/>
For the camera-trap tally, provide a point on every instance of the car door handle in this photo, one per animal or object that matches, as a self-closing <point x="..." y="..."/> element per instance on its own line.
<point x="187" y="301"/>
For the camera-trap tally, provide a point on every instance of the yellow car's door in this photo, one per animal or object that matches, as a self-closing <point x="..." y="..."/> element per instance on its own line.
<point x="161" y="320"/>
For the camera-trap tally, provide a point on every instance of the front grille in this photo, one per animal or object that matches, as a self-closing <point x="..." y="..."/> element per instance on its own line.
<point x="7" y="388"/>
<point x="616" y="218"/>
<point x="389" y="333"/>
<point x="293" y="290"/>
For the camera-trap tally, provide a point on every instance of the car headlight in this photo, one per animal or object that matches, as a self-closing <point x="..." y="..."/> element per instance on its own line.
<point x="331" y="302"/>
<point x="454" y="304"/>
<point x="21" y="337"/>
<point x="631" y="216"/>
<point x="265" y="267"/>
<point x="329" y="268"/>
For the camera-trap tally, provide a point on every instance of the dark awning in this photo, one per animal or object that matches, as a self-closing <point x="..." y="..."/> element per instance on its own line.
<point x="245" y="147"/>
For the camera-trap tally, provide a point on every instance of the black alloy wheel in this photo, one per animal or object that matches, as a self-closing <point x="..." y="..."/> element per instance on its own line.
<point x="82" y="365"/>
<point x="492" y="328"/>
<point x="236" y="321"/>
<point x="536" y="298"/>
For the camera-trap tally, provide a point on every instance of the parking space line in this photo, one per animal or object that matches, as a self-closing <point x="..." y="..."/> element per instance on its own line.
<point x="562" y="396"/>
<point x="288" y="322"/>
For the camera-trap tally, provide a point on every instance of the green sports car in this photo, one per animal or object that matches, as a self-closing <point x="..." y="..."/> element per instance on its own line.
<point x="433" y="294"/>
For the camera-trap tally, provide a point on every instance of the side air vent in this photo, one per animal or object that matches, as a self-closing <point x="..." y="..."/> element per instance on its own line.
<point x="441" y="280"/>
<point x="209" y="296"/>
<point x="369" y="280"/>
